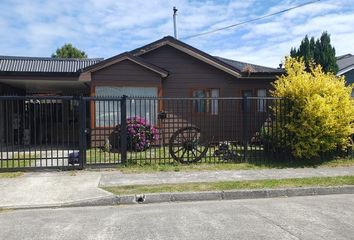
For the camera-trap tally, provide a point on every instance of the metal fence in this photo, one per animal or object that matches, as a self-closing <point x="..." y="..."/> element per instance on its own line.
<point x="38" y="132"/>
<point x="167" y="130"/>
<point x="68" y="132"/>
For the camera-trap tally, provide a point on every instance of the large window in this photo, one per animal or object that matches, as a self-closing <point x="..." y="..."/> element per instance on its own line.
<point x="108" y="112"/>
<point x="206" y="105"/>
<point x="261" y="103"/>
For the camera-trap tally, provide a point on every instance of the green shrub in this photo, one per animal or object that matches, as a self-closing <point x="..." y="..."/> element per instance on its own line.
<point x="319" y="111"/>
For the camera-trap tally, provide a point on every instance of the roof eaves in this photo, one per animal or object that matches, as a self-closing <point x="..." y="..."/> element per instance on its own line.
<point x="39" y="74"/>
<point x="125" y="56"/>
<point x="345" y="70"/>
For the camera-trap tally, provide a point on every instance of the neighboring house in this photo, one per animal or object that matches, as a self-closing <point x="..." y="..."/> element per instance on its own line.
<point x="346" y="68"/>
<point x="165" y="68"/>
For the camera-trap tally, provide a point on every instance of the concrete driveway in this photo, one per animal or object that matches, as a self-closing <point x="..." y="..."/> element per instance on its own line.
<point x="50" y="189"/>
<point x="317" y="217"/>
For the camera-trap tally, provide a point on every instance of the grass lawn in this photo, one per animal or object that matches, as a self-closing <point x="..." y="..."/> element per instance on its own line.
<point x="233" y="185"/>
<point x="19" y="160"/>
<point x="158" y="159"/>
<point x="176" y="167"/>
<point x="10" y="174"/>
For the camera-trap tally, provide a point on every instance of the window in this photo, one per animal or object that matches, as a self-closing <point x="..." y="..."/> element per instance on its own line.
<point x="108" y="112"/>
<point x="206" y="105"/>
<point x="261" y="103"/>
<point x="248" y="103"/>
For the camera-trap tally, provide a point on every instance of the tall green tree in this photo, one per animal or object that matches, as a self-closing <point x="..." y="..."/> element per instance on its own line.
<point x="325" y="54"/>
<point x="317" y="52"/>
<point x="69" y="51"/>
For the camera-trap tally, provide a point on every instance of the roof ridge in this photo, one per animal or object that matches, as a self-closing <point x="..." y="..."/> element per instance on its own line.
<point x="48" y="58"/>
<point x="344" y="56"/>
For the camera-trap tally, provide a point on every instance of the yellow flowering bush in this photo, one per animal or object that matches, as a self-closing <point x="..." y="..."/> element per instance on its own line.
<point x="320" y="111"/>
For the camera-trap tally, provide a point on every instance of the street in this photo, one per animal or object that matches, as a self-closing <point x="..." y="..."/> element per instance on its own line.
<point x="317" y="217"/>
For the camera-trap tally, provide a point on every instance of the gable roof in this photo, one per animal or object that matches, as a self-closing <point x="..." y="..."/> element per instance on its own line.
<point x="125" y="56"/>
<point x="233" y="67"/>
<point x="44" y="65"/>
<point x="171" y="41"/>
<point x="345" y="63"/>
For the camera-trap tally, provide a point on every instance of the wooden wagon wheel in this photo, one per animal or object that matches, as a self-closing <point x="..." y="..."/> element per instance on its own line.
<point x="186" y="145"/>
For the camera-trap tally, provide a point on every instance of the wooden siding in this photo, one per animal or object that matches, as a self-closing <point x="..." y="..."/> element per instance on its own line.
<point x="187" y="72"/>
<point x="125" y="73"/>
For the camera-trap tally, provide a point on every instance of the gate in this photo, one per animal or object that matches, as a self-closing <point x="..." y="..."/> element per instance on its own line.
<point x="102" y="129"/>
<point x="39" y="132"/>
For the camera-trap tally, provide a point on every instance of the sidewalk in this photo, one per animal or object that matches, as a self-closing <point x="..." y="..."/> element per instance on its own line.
<point x="56" y="189"/>
<point x="120" y="179"/>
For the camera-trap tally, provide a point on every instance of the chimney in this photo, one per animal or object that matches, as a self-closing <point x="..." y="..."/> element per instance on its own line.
<point x="174" y="21"/>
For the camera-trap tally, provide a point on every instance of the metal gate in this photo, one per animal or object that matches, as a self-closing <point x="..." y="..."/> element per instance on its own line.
<point x="39" y="132"/>
<point x="101" y="131"/>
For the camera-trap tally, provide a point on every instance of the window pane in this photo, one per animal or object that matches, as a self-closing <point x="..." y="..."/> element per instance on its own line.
<point x="199" y="105"/>
<point x="214" y="103"/>
<point x="261" y="102"/>
<point x="108" y="112"/>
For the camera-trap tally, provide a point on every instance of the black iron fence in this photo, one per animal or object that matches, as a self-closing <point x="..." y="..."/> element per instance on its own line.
<point x="69" y="132"/>
<point x="38" y="132"/>
<point x="166" y="130"/>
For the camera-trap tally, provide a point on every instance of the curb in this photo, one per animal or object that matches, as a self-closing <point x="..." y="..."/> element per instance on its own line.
<point x="194" y="196"/>
<point x="233" y="194"/>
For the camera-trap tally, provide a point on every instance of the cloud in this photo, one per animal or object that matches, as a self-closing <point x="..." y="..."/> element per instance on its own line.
<point x="266" y="42"/>
<point x="103" y="28"/>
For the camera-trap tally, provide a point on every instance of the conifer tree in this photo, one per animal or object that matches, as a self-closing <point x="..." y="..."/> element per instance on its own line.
<point x="319" y="52"/>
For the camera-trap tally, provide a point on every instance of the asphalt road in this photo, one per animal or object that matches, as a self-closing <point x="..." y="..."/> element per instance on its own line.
<point x="318" y="217"/>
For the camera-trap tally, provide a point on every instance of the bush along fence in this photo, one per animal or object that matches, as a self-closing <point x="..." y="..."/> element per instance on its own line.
<point x="74" y="132"/>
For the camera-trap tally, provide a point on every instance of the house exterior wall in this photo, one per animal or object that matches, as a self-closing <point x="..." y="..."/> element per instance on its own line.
<point x="125" y="73"/>
<point x="186" y="74"/>
<point x="349" y="77"/>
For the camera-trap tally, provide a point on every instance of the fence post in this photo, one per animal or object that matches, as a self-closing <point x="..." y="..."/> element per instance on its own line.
<point x="123" y="128"/>
<point x="82" y="132"/>
<point x="245" y="126"/>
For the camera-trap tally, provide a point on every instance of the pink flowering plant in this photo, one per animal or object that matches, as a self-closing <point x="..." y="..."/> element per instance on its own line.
<point x="141" y="134"/>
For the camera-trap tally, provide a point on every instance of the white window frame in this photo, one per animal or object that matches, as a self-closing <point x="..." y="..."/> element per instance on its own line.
<point x="261" y="103"/>
<point x="110" y="110"/>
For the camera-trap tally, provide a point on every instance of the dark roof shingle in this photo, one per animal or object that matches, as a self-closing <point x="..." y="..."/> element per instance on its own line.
<point x="345" y="62"/>
<point x="44" y="65"/>
<point x="257" y="68"/>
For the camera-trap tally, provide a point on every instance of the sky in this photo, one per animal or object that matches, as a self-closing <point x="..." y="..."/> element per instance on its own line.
<point x="104" y="28"/>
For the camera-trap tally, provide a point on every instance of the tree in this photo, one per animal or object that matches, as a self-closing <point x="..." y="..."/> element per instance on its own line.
<point x="69" y="51"/>
<point x="318" y="52"/>
<point x="325" y="54"/>
<point x="320" y="111"/>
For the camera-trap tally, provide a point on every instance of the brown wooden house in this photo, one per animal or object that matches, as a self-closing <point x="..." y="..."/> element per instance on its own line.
<point x="166" y="68"/>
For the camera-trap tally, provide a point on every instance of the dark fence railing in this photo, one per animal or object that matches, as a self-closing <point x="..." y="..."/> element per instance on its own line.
<point x="72" y="132"/>
<point x="38" y="132"/>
